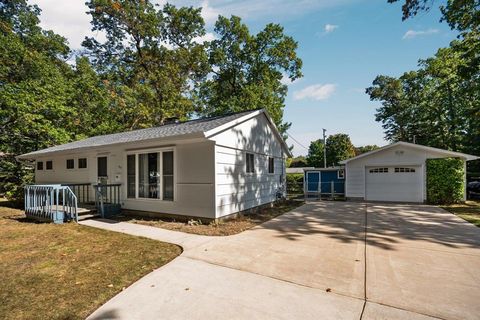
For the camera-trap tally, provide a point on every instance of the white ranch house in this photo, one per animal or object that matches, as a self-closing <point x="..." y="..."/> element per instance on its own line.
<point x="207" y="168"/>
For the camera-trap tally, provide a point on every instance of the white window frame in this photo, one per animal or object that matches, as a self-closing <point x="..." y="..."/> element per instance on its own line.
<point x="273" y="165"/>
<point x="78" y="163"/>
<point x="160" y="187"/>
<point x="341" y="177"/>
<point x="247" y="154"/>
<point x="66" y="163"/>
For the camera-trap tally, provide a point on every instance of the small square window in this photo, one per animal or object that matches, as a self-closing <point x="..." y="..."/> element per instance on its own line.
<point x="40" y="165"/>
<point x="82" y="163"/>
<point x="341" y="174"/>
<point x="250" y="160"/>
<point x="271" y="165"/>
<point x="49" y="164"/>
<point x="70" y="164"/>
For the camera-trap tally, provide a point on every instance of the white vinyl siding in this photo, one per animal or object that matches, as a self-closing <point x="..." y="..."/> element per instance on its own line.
<point x="237" y="190"/>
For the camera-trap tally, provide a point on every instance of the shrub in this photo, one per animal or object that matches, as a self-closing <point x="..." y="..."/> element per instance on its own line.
<point x="445" y="180"/>
<point x="295" y="183"/>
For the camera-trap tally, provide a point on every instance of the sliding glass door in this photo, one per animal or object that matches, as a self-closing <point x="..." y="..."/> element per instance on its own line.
<point x="151" y="175"/>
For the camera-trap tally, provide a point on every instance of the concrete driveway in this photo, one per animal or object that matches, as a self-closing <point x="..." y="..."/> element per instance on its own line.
<point x="324" y="260"/>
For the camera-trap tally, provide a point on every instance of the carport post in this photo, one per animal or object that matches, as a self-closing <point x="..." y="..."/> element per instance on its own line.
<point x="332" y="189"/>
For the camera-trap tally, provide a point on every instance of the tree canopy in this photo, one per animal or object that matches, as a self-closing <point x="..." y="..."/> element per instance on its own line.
<point x="152" y="65"/>
<point x="338" y="148"/>
<point x="439" y="103"/>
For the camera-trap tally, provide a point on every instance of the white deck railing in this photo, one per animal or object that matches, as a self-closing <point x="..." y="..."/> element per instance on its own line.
<point x="51" y="202"/>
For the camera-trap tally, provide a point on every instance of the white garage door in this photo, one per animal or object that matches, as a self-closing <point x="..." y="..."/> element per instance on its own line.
<point x="397" y="183"/>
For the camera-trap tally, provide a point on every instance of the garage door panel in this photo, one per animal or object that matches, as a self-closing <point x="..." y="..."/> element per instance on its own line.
<point x="385" y="184"/>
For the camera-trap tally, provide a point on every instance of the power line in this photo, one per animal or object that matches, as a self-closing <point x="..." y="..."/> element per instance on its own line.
<point x="301" y="145"/>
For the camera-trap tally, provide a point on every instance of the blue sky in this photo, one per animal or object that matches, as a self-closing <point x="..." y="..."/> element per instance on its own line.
<point x="344" y="44"/>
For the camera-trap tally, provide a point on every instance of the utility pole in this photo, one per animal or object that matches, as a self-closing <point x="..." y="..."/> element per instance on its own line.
<point x="324" y="148"/>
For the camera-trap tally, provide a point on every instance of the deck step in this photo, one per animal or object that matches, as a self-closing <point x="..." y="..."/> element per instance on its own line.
<point x="88" y="216"/>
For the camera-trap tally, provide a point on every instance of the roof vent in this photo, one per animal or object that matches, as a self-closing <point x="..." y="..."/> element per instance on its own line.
<point x="399" y="152"/>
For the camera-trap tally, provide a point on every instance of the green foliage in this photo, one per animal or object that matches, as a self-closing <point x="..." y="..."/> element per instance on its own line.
<point x="438" y="104"/>
<point x="339" y="148"/>
<point x="315" y="154"/>
<point x="445" y="181"/>
<point x="151" y="67"/>
<point x="149" y="60"/>
<point x="294" y="183"/>
<point x="364" y="149"/>
<point x="247" y="70"/>
<point x="297" y="162"/>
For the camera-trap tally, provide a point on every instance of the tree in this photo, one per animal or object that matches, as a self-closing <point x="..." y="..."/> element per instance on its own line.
<point x="339" y="147"/>
<point x="298" y="162"/>
<point x="315" y="154"/>
<point x="364" y="149"/>
<point x="150" y="59"/>
<point x="438" y="104"/>
<point x="247" y="70"/>
<point x="35" y="89"/>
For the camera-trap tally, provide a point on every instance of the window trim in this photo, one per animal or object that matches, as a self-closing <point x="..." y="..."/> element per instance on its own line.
<point x="381" y="169"/>
<point x="72" y="161"/>
<point x="146" y="151"/>
<point x="342" y="177"/>
<point x="272" y="159"/>
<point x="249" y="169"/>
<point x="37" y="168"/>
<point x="404" y="170"/>
<point x="46" y="165"/>
<point x="86" y="163"/>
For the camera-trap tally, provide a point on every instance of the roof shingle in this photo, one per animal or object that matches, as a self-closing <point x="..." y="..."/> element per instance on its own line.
<point x="168" y="130"/>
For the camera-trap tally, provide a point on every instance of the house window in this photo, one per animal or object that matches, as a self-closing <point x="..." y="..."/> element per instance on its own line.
<point x="400" y="170"/>
<point x="167" y="171"/>
<point x="49" y="164"/>
<point x="250" y="163"/>
<point x="379" y="170"/>
<point x="151" y="175"/>
<point x="70" y="164"/>
<point x="148" y="175"/>
<point x="82" y="163"/>
<point x="341" y="174"/>
<point x="102" y="170"/>
<point x="131" y="184"/>
<point x="271" y="165"/>
<point x="40" y="165"/>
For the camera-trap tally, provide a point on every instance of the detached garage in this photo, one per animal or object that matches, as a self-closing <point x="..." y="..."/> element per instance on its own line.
<point x="396" y="172"/>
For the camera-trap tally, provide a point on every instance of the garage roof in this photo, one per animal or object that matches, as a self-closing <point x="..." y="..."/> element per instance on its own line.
<point x="467" y="157"/>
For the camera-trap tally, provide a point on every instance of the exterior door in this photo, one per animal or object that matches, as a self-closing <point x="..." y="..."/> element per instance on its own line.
<point x="102" y="170"/>
<point x="313" y="180"/>
<point x="398" y="183"/>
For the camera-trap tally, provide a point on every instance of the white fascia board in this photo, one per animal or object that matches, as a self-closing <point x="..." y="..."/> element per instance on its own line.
<point x="228" y="125"/>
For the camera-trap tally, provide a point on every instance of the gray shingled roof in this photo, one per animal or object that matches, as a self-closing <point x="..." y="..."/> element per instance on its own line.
<point x="168" y="130"/>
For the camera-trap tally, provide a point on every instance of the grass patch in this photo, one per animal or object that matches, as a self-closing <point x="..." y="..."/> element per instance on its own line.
<point x="469" y="211"/>
<point x="222" y="228"/>
<point x="67" y="271"/>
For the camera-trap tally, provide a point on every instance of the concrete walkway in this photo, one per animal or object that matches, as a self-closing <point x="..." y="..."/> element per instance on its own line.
<point x="319" y="261"/>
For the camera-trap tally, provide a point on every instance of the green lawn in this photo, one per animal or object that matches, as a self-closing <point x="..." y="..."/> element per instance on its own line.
<point x="66" y="271"/>
<point x="469" y="211"/>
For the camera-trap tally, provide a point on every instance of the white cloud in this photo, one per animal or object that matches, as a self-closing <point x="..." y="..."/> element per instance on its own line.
<point x="207" y="37"/>
<point x="410" y="34"/>
<point x="315" y="92"/>
<point x="209" y="14"/>
<point x="67" y="18"/>
<point x="330" y="28"/>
